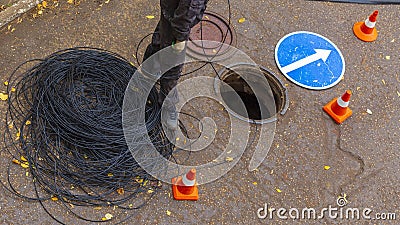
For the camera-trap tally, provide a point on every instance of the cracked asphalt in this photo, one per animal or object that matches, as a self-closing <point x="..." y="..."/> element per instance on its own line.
<point x="363" y="152"/>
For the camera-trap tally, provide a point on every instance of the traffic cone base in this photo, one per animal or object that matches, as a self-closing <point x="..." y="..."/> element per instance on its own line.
<point x="194" y="196"/>
<point x="364" y="36"/>
<point x="337" y="118"/>
<point x="366" y="30"/>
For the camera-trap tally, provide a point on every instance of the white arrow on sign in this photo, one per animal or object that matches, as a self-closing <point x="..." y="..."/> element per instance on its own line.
<point x="319" y="54"/>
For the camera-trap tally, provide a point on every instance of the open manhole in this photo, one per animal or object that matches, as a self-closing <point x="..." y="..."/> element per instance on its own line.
<point x="212" y="37"/>
<point x="272" y="97"/>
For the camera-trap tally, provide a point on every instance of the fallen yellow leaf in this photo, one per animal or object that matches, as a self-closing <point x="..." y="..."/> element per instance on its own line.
<point x="23" y="158"/>
<point x="241" y="20"/>
<point x="229" y="159"/>
<point x="110" y="174"/>
<point x="13" y="89"/>
<point x="150" y="191"/>
<point x="25" y="165"/>
<point x="6" y="83"/>
<point x="398" y="93"/>
<point x="108" y="216"/>
<point x="40" y="12"/>
<point x="71" y="1"/>
<point x="168" y="212"/>
<point x="28" y="122"/>
<point x="16" y="161"/>
<point x="150" y="17"/>
<point x="278" y="190"/>
<point x="103" y="218"/>
<point x="120" y="191"/>
<point x="383" y="81"/>
<point x="44" y="4"/>
<point x="327" y="167"/>
<point x="54" y="198"/>
<point x="3" y="96"/>
<point x="254" y="183"/>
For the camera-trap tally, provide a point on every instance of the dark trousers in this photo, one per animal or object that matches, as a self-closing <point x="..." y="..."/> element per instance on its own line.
<point x="162" y="38"/>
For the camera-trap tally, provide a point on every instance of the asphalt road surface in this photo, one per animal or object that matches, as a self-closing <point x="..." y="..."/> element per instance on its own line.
<point x="362" y="153"/>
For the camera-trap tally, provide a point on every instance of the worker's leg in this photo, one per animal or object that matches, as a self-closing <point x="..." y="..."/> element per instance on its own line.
<point x="151" y="68"/>
<point x="168" y="95"/>
<point x="155" y="44"/>
<point x="169" y="79"/>
<point x="167" y="86"/>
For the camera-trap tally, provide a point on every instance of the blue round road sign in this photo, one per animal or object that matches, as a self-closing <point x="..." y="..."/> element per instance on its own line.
<point x="309" y="60"/>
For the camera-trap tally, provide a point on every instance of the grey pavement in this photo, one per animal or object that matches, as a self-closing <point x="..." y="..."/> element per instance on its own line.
<point x="363" y="152"/>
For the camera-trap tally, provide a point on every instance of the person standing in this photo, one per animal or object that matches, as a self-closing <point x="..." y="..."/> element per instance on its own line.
<point x="173" y="29"/>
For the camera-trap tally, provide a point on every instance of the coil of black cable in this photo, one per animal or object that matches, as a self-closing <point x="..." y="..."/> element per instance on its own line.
<point x="64" y="118"/>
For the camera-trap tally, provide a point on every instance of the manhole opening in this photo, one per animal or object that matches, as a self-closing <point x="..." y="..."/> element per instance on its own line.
<point x="262" y="110"/>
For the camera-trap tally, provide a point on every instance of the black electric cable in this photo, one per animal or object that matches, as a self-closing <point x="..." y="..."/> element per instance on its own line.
<point x="65" y="118"/>
<point x="209" y="59"/>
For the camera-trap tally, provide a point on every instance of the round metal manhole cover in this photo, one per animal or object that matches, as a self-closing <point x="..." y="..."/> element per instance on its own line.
<point x="217" y="30"/>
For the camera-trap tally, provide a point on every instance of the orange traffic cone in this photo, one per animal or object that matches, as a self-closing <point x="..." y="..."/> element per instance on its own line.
<point x="185" y="188"/>
<point x="338" y="108"/>
<point x="366" y="31"/>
